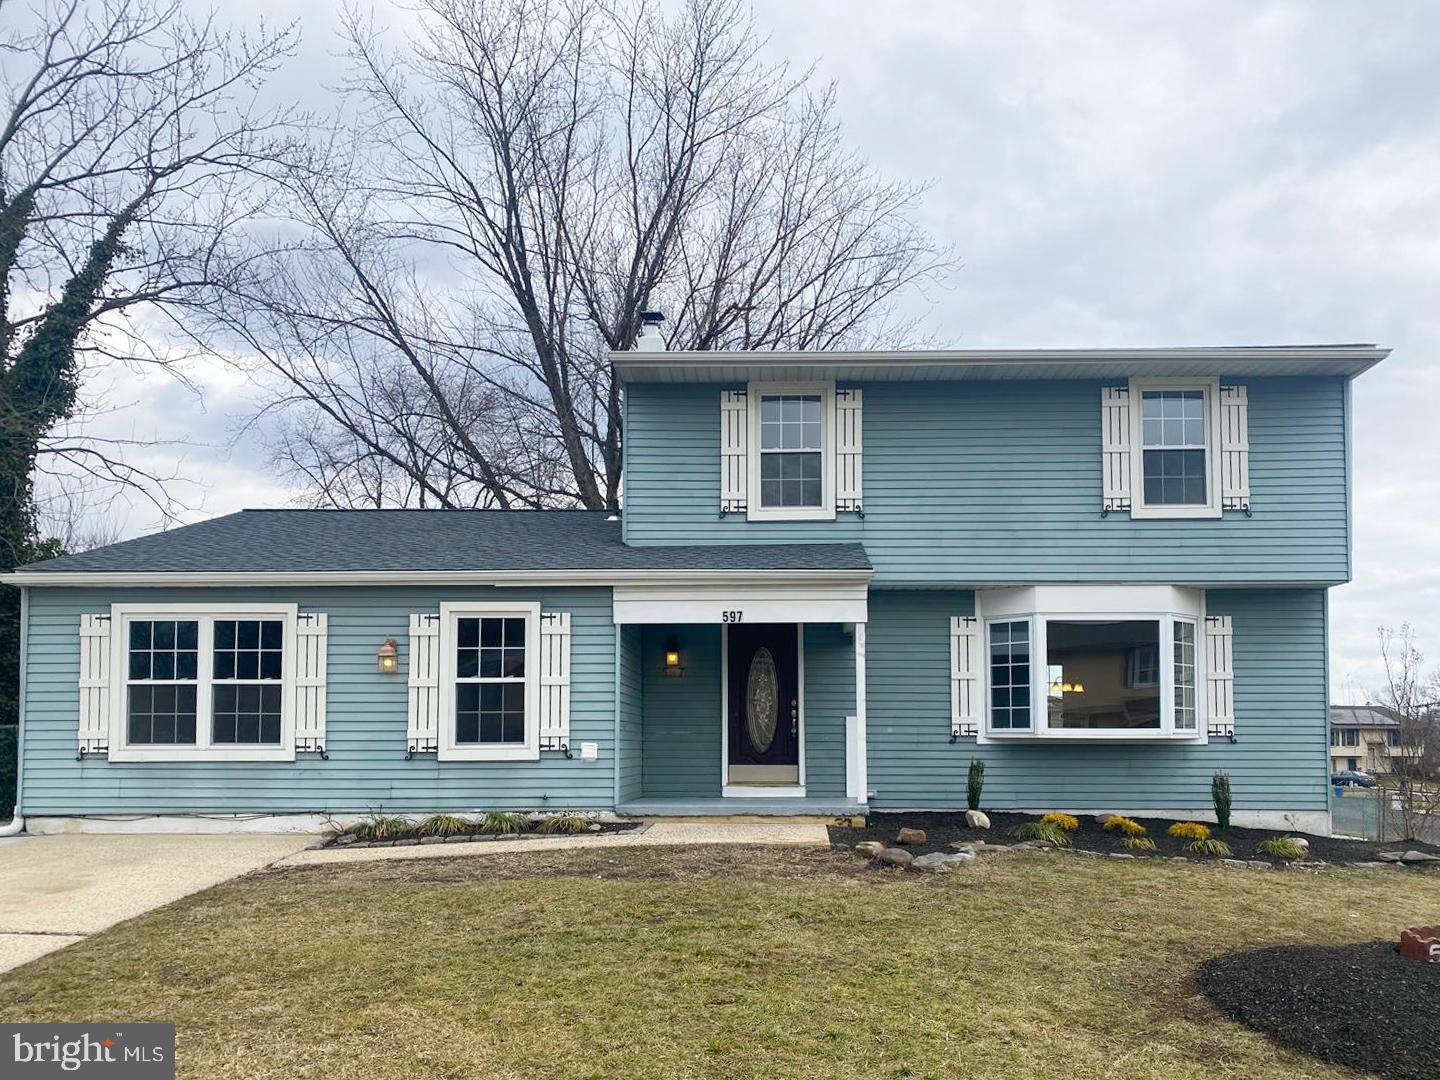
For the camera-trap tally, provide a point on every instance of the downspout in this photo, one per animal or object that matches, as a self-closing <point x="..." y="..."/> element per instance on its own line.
<point x="17" y="821"/>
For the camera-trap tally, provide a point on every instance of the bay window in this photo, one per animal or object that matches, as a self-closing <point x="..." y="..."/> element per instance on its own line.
<point x="202" y="681"/>
<point x="1093" y="662"/>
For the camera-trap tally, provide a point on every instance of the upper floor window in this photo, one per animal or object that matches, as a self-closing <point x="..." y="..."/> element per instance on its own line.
<point x="792" y="451"/>
<point x="204" y="681"/>
<point x="1177" y="426"/>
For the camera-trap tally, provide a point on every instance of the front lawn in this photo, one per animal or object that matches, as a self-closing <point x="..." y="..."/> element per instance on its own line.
<point x="712" y="963"/>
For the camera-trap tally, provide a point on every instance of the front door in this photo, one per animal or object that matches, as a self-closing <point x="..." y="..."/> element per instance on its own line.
<point x="763" y="704"/>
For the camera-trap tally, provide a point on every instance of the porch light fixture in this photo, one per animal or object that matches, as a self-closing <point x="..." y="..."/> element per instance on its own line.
<point x="386" y="660"/>
<point x="672" y="657"/>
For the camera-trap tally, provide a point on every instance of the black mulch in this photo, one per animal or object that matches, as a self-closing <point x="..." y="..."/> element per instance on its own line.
<point x="1362" y="1006"/>
<point x="942" y="828"/>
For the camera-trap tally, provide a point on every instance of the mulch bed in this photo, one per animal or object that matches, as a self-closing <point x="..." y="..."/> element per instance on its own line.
<point x="943" y="828"/>
<point x="412" y="837"/>
<point x="1361" y="1006"/>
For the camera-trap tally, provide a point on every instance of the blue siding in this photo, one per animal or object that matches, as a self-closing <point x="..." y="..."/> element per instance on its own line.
<point x="681" y="739"/>
<point x="1278" y="763"/>
<point x="365" y="727"/>
<point x="629" y="782"/>
<point x="976" y="483"/>
<point x="829" y="698"/>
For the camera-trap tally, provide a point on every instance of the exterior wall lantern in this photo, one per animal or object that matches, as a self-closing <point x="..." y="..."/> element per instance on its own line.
<point x="672" y="658"/>
<point x="386" y="660"/>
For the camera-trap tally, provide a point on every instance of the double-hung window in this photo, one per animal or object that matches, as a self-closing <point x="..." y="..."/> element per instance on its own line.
<point x="203" y="681"/>
<point x="1085" y="662"/>
<point x="1177" y="424"/>
<point x="489" y="673"/>
<point x="792" y="460"/>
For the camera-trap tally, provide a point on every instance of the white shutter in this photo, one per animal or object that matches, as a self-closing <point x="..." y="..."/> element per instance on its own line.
<point x="555" y="681"/>
<point x="1220" y="674"/>
<point x="311" y="636"/>
<point x="94" y="733"/>
<point x="423" y="725"/>
<point x="964" y="676"/>
<point x="1115" y="436"/>
<point x="734" y="435"/>
<point x="848" y="463"/>
<point x="1234" y="448"/>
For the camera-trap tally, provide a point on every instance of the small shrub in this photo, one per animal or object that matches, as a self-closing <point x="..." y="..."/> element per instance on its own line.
<point x="379" y="827"/>
<point x="503" y="822"/>
<point x="975" y="783"/>
<point x="1220" y="796"/>
<point x="1188" y="830"/>
<point x="1209" y="847"/>
<point x="1068" y="822"/>
<point x="565" y="823"/>
<point x="1126" y="826"/>
<point x="1042" y="830"/>
<point x="443" y="825"/>
<point x="1139" y="843"/>
<point x="1281" y="847"/>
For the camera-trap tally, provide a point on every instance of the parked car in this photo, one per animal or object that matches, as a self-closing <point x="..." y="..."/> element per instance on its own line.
<point x="1352" y="778"/>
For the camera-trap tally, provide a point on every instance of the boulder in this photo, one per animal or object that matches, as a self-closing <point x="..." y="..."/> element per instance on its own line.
<point x="869" y="848"/>
<point x="911" y="837"/>
<point x="894" y="856"/>
<point x="1103" y="819"/>
<point x="1414" y="857"/>
<point x="1302" y="842"/>
<point x="940" y="860"/>
<point x="976" y="819"/>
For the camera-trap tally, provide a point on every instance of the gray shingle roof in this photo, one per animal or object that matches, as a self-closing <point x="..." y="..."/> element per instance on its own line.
<point x="1365" y="716"/>
<point x="321" y="541"/>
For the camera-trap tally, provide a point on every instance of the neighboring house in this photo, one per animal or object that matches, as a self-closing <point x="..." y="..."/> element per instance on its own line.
<point x="1366" y="737"/>
<point x="839" y="577"/>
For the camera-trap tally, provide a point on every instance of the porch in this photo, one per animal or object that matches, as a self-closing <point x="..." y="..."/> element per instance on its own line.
<point x="722" y="714"/>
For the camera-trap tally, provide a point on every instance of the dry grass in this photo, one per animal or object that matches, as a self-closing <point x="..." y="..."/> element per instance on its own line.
<point x="710" y="963"/>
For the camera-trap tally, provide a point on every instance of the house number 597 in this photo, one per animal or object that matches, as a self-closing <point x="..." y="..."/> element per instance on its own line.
<point x="731" y="616"/>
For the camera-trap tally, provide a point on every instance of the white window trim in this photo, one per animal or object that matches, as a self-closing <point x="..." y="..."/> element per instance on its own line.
<point x="1038" y="605"/>
<point x="1138" y="508"/>
<point x="754" y="511"/>
<point x="121" y="615"/>
<point x="446" y="747"/>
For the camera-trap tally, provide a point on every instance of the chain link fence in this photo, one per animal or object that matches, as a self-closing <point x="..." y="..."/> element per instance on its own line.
<point x="1372" y="814"/>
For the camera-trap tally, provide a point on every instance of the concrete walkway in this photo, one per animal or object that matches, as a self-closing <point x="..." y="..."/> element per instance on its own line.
<point x="656" y="834"/>
<point x="56" y="890"/>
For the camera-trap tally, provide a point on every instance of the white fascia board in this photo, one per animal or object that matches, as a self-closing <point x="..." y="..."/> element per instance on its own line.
<point x="1006" y="363"/>
<point x="513" y="578"/>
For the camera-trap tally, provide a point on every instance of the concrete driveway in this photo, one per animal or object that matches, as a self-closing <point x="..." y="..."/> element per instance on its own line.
<point x="56" y="890"/>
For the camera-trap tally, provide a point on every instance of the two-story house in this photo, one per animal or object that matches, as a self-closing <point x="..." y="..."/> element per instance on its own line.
<point x="838" y="577"/>
<point x="1368" y="738"/>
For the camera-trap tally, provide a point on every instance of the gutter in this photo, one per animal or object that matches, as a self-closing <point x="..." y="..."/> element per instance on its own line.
<point x="514" y="578"/>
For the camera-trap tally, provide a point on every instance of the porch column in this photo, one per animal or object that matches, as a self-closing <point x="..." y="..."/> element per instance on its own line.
<point x="857" y="781"/>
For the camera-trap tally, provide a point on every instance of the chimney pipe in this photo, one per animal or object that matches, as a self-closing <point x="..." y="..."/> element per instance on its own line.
<point x="650" y="339"/>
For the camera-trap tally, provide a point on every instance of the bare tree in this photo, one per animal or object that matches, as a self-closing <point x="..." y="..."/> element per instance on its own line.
<point x="1411" y="696"/>
<point x="131" y="142"/>
<point x="524" y="177"/>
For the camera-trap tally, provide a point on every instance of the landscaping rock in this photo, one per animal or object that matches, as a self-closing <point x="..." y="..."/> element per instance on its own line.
<point x="894" y="856"/>
<point x="1103" y="819"/>
<point x="966" y="845"/>
<point x="939" y="861"/>
<point x="911" y="837"/>
<point x="594" y="826"/>
<point x="1411" y="858"/>
<point x="869" y="848"/>
<point x="1121" y="855"/>
<point x="432" y="839"/>
<point x="409" y="841"/>
<point x="345" y="839"/>
<point x="1391" y="856"/>
<point x="1259" y="864"/>
<point x="1369" y="865"/>
<point x="977" y="819"/>
<point x="1233" y="863"/>
<point x="1301" y="842"/>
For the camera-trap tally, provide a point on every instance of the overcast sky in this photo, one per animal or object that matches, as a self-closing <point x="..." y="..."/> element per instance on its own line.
<point x="1135" y="173"/>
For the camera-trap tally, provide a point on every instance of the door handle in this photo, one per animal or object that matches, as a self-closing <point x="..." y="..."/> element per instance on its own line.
<point x="794" y="717"/>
